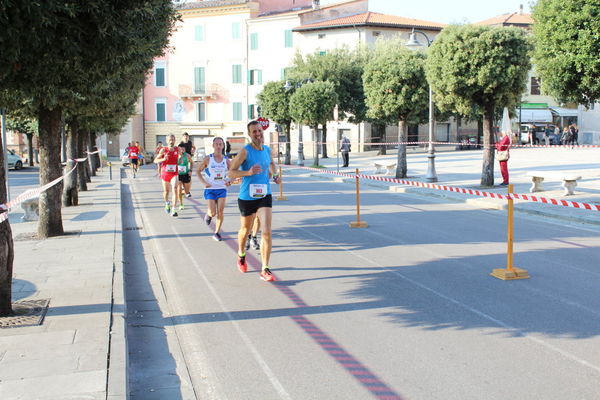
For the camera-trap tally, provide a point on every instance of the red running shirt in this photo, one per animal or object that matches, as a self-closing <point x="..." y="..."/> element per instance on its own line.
<point x="133" y="152"/>
<point x="170" y="163"/>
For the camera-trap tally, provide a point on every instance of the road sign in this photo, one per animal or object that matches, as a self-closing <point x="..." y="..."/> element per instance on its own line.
<point x="264" y="123"/>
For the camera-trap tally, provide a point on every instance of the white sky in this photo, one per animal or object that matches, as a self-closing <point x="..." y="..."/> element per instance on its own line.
<point x="445" y="11"/>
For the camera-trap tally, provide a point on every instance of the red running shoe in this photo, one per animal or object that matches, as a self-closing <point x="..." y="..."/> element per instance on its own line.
<point x="241" y="264"/>
<point x="266" y="275"/>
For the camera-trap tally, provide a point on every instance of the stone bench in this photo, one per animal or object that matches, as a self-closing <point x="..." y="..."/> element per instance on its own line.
<point x="31" y="209"/>
<point x="385" y="165"/>
<point x="569" y="181"/>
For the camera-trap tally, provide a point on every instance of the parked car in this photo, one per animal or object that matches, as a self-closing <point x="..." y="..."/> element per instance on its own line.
<point x="538" y="137"/>
<point x="14" y="161"/>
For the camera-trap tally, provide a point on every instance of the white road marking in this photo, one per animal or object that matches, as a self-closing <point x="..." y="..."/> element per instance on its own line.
<point x="463" y="305"/>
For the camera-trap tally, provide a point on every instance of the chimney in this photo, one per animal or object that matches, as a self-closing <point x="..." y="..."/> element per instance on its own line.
<point x="315" y="5"/>
<point x="520" y="9"/>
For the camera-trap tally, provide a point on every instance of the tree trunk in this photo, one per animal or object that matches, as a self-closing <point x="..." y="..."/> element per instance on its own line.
<point x="6" y="248"/>
<point x="91" y="161"/>
<point x="50" y="223"/>
<point x="288" y="145"/>
<point x="401" y="162"/>
<point x="96" y="161"/>
<point x="70" y="197"/>
<point x="81" y="171"/>
<point x="324" y="141"/>
<point x="381" y="135"/>
<point x="30" y="148"/>
<point x="315" y="130"/>
<point x="487" y="173"/>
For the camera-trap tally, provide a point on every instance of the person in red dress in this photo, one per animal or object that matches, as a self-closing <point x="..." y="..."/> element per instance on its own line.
<point x="169" y="156"/>
<point x="502" y="146"/>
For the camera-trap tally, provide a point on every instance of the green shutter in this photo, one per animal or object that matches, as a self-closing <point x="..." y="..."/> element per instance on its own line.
<point x="254" y="41"/>
<point x="199" y="84"/>
<point x="161" y="112"/>
<point x="236" y="72"/>
<point x="201" y="111"/>
<point x="237" y="111"/>
<point x="199" y="33"/>
<point x="160" y="77"/>
<point x="236" y="31"/>
<point x="250" y="77"/>
<point x="288" y="39"/>
<point x="259" y="78"/>
<point x="250" y="111"/>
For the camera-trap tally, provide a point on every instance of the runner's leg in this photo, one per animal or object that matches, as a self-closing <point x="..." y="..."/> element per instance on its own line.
<point x="220" y="212"/>
<point x="245" y="226"/>
<point x="264" y="214"/>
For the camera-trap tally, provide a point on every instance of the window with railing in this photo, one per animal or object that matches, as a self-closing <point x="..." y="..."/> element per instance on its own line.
<point x="199" y="80"/>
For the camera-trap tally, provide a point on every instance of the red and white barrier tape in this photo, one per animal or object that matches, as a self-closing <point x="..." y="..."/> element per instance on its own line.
<point x="552" y="146"/>
<point x="480" y="193"/>
<point x="28" y="194"/>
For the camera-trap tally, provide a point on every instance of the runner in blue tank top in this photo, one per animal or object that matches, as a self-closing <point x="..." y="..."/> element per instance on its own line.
<point x="254" y="165"/>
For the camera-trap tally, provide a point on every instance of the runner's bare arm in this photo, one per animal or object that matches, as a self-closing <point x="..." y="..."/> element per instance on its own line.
<point x="161" y="156"/>
<point x="234" y="168"/>
<point x="201" y="168"/>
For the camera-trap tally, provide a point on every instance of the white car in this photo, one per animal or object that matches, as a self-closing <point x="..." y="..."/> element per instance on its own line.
<point x="14" y="161"/>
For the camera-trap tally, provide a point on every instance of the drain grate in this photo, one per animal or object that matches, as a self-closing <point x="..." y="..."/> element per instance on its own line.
<point x="26" y="313"/>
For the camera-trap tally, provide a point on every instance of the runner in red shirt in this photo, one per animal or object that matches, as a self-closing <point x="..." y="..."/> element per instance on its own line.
<point x="133" y="152"/>
<point x="169" y="156"/>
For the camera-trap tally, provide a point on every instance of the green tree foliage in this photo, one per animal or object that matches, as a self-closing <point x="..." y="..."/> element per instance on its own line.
<point x="475" y="70"/>
<point x="312" y="104"/>
<point x="396" y="90"/>
<point x="63" y="52"/>
<point x="274" y="101"/>
<point x="567" y="49"/>
<point x="342" y="67"/>
<point x="58" y="56"/>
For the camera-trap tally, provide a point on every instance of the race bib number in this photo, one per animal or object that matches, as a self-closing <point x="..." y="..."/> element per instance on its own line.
<point x="219" y="175"/>
<point x="182" y="169"/>
<point x="171" y="168"/>
<point x="258" y="190"/>
<point x="133" y="155"/>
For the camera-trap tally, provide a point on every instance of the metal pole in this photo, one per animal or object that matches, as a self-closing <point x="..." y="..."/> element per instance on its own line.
<point x="431" y="175"/>
<point x="4" y="149"/>
<point x="300" y="147"/>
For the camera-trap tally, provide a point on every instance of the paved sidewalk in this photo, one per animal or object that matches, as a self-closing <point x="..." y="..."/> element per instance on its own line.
<point x="463" y="169"/>
<point x="67" y="357"/>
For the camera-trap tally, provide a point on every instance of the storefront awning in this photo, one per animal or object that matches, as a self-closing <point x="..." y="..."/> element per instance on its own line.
<point x="535" y="115"/>
<point x="564" y="112"/>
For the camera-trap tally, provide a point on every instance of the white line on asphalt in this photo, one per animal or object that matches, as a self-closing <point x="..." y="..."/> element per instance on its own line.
<point x="460" y="304"/>
<point x="265" y="367"/>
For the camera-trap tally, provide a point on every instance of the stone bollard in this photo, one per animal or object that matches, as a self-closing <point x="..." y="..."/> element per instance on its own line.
<point x="31" y="208"/>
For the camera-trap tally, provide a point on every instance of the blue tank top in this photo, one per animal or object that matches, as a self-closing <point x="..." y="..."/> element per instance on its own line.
<point x="256" y="186"/>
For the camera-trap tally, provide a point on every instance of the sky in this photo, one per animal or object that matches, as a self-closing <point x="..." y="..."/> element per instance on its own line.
<point x="445" y="11"/>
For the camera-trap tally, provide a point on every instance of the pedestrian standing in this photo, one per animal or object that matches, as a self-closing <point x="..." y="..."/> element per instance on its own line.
<point x="345" y="148"/>
<point x="503" y="155"/>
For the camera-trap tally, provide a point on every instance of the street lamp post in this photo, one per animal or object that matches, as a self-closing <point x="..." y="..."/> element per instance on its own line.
<point x="414" y="44"/>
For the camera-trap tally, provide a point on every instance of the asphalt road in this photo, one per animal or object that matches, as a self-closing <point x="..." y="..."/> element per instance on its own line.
<point x="404" y="309"/>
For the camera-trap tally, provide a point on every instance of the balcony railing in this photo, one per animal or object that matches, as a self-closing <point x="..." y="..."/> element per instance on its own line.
<point x="201" y="93"/>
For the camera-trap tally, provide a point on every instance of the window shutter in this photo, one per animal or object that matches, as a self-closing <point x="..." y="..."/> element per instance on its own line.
<point x="254" y="41"/>
<point x="199" y="33"/>
<point x="199" y="84"/>
<point x="159" y="77"/>
<point x="288" y="39"/>
<point x="236" y="30"/>
<point x="259" y="77"/>
<point x="161" y="112"/>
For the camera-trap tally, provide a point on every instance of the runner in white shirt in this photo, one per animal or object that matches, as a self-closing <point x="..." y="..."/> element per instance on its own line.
<point x="213" y="174"/>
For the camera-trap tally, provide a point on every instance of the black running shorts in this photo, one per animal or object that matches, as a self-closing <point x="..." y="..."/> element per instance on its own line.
<point x="134" y="161"/>
<point x="249" y="207"/>
<point x="186" y="178"/>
